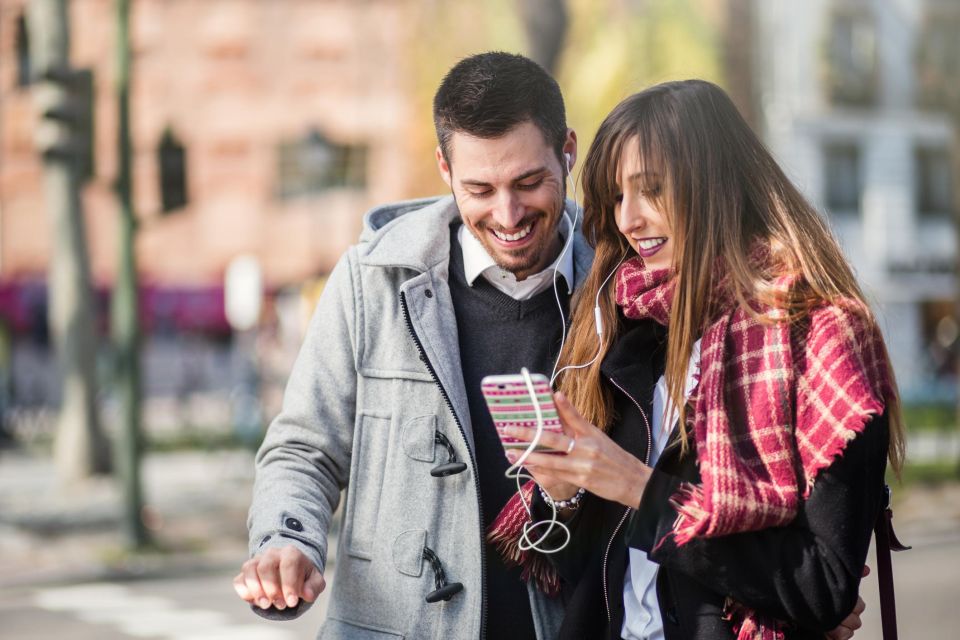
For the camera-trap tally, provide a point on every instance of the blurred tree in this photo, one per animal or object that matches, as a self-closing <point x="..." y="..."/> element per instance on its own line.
<point x="738" y="63"/>
<point x="545" y="23"/>
<point x="606" y="50"/>
<point x="80" y="448"/>
<point x="938" y="70"/>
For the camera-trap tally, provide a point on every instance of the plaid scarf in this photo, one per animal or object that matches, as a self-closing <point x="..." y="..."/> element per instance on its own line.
<point x="776" y="403"/>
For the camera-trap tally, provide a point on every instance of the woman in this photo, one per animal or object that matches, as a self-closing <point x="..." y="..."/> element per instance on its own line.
<point x="735" y="315"/>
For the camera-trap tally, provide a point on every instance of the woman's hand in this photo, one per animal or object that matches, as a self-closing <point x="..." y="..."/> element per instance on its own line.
<point x="595" y="462"/>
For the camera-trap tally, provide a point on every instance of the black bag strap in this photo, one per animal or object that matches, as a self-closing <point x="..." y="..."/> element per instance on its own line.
<point x="886" y="542"/>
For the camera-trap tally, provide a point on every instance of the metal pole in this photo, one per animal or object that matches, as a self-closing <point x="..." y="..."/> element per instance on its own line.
<point x="125" y="320"/>
<point x="79" y="448"/>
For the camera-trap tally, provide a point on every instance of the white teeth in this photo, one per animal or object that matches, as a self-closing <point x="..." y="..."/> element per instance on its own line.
<point x="650" y="244"/>
<point x="514" y="236"/>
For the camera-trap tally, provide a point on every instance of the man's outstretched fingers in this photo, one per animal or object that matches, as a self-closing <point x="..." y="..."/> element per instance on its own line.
<point x="293" y="569"/>
<point x="240" y="586"/>
<point x="314" y="585"/>
<point x="251" y="581"/>
<point x="268" y="572"/>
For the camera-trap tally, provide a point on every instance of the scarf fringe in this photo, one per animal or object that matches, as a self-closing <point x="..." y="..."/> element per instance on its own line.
<point x="504" y="535"/>
<point x="749" y="625"/>
<point x="693" y="518"/>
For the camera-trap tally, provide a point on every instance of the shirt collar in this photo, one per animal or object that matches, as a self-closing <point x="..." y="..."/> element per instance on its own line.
<point x="477" y="262"/>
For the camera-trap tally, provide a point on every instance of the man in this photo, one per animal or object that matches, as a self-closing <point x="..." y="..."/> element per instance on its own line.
<point x="384" y="400"/>
<point x="437" y="294"/>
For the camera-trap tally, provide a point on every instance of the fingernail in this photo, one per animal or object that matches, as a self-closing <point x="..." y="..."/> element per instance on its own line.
<point x="263" y="603"/>
<point x="511" y="456"/>
<point x="280" y="604"/>
<point x="308" y="594"/>
<point x="291" y="600"/>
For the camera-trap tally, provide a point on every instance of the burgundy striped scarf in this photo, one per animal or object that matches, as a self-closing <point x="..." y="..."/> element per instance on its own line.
<point x="773" y="407"/>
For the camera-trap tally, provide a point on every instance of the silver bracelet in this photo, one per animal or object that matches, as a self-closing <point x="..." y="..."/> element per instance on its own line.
<point x="571" y="503"/>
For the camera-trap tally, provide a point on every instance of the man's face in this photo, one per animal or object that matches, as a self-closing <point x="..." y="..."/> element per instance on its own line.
<point x="510" y="192"/>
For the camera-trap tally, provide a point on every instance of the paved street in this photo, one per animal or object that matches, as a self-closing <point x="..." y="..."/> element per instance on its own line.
<point x="63" y="572"/>
<point x="203" y="607"/>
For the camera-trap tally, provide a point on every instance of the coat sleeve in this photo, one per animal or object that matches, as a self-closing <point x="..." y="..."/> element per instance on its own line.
<point x="574" y="557"/>
<point x="304" y="461"/>
<point x="807" y="572"/>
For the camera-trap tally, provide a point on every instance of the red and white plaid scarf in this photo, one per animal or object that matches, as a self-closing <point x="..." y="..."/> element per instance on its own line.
<point x="773" y="407"/>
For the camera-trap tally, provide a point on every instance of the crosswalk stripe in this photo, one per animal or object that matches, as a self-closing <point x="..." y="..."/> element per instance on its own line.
<point x="149" y="616"/>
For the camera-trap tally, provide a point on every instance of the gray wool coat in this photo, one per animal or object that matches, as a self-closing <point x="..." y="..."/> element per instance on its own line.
<point x="378" y="374"/>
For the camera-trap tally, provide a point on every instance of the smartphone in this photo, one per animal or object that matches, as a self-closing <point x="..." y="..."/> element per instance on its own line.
<point x="508" y="400"/>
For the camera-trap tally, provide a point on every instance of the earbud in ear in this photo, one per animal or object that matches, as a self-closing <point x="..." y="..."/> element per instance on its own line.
<point x="569" y="158"/>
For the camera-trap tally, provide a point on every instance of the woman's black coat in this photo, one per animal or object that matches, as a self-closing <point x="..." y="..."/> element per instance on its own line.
<point x="807" y="573"/>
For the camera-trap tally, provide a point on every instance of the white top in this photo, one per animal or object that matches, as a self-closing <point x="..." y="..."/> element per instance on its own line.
<point x="641" y="611"/>
<point x="477" y="262"/>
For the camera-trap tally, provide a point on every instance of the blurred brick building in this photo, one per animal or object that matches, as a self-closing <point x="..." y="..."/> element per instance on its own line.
<point x="259" y="127"/>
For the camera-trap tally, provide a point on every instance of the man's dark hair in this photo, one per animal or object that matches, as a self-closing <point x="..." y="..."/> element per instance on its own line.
<point x="488" y="94"/>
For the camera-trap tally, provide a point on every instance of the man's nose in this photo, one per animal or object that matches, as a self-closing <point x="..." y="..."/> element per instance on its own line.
<point x="508" y="211"/>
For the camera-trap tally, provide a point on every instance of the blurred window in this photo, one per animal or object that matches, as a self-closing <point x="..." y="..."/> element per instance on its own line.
<point x="938" y="58"/>
<point x="933" y="195"/>
<point x="314" y="164"/>
<point x="24" y="68"/>
<point x="842" y="177"/>
<point x="172" y="159"/>
<point x="852" y="58"/>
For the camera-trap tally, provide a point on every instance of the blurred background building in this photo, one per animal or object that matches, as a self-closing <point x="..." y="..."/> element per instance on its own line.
<point x="846" y="110"/>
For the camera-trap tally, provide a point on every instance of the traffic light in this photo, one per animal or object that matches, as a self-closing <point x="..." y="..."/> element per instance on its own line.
<point x="68" y="111"/>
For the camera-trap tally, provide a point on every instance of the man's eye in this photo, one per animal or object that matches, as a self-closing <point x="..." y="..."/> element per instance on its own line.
<point x="481" y="194"/>
<point x="530" y="185"/>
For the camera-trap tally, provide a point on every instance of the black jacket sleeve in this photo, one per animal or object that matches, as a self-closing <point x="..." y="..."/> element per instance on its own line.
<point x="807" y="572"/>
<point x="572" y="560"/>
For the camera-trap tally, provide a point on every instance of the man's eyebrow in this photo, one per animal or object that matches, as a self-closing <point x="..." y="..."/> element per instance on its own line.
<point x="520" y="178"/>
<point x="529" y="174"/>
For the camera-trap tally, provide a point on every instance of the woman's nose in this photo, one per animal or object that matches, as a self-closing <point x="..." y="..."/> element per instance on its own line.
<point x="630" y="218"/>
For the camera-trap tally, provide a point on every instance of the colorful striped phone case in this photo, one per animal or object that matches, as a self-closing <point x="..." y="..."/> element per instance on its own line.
<point x="510" y="405"/>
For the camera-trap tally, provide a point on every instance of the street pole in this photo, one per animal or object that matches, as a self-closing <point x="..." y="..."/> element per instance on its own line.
<point x="125" y="319"/>
<point x="80" y="449"/>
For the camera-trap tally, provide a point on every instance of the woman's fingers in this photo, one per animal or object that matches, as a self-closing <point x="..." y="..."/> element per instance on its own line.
<point x="549" y="439"/>
<point x="571" y="418"/>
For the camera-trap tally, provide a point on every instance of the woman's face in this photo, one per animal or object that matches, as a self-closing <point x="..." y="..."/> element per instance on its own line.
<point x="637" y="214"/>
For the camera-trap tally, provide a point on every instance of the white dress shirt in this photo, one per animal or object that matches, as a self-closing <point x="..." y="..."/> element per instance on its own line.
<point x="641" y="610"/>
<point x="477" y="262"/>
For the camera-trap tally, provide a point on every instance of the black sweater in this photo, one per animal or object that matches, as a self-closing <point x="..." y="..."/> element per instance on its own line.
<point x="500" y="335"/>
<point x="807" y="573"/>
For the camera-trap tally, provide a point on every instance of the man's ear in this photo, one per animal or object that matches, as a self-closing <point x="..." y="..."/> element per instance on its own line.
<point x="570" y="146"/>
<point x="444" y="168"/>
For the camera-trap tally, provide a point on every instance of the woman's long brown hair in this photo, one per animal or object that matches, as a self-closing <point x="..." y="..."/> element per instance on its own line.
<point x="722" y="194"/>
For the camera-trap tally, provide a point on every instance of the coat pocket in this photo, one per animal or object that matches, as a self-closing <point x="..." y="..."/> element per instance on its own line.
<point x="334" y="629"/>
<point x="371" y="442"/>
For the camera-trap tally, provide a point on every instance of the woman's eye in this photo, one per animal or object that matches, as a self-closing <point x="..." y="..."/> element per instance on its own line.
<point x="618" y="198"/>
<point x="652" y="191"/>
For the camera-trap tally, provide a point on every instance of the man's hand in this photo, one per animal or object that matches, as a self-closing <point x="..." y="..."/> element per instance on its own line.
<point x="852" y="622"/>
<point x="279" y="577"/>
